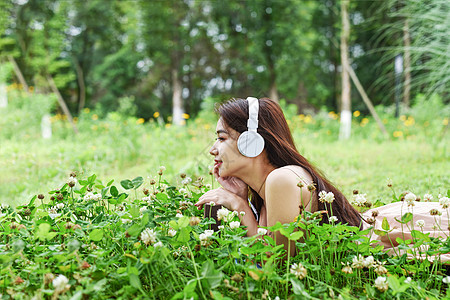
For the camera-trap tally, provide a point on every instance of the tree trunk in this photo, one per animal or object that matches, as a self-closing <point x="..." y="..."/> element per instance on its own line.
<point x="346" y="115"/>
<point x="19" y="74"/>
<point x="3" y="95"/>
<point x="177" y="100"/>
<point x="273" y="93"/>
<point x="61" y="102"/>
<point x="81" y="85"/>
<point x="407" y="63"/>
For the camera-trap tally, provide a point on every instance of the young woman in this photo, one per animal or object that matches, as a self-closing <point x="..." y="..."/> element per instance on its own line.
<point x="280" y="181"/>
<point x="255" y="154"/>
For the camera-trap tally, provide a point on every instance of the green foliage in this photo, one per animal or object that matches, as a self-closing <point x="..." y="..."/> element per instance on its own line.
<point x="153" y="244"/>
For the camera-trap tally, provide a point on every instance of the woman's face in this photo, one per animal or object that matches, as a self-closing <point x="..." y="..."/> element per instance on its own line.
<point x="228" y="161"/>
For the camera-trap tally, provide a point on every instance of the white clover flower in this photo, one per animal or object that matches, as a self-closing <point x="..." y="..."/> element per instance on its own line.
<point x="235" y="224"/>
<point x="333" y="219"/>
<point x="359" y="200"/>
<point x="148" y="236"/>
<point x="444" y="202"/>
<point x="346" y="269"/>
<point x="202" y="237"/>
<point x="209" y="232"/>
<point x="186" y="181"/>
<point x="379" y="268"/>
<point x="162" y="168"/>
<point x="358" y="262"/>
<point x="125" y="221"/>
<point x="182" y="191"/>
<point x="427" y="197"/>
<point x="221" y="227"/>
<point x="60" y="205"/>
<point x="212" y="203"/>
<point x="242" y="213"/>
<point x="208" y="186"/>
<point x="142" y="209"/>
<point x="326" y="197"/>
<point x="299" y="270"/>
<point x="408" y="280"/>
<point x="420" y="223"/>
<point x="5" y="206"/>
<point x="88" y="196"/>
<point x="72" y="181"/>
<point x="158" y="244"/>
<point x="381" y="284"/>
<point x="222" y="213"/>
<point x="172" y="232"/>
<point x="262" y="231"/>
<point x="446" y="280"/>
<point x="178" y="215"/>
<point x="410" y="199"/>
<point x="60" y="283"/>
<point x="369" y="261"/>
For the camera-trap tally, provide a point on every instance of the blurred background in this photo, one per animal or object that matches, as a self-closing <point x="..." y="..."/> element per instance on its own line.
<point x="96" y="85"/>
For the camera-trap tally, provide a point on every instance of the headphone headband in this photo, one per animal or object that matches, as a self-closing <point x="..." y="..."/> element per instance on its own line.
<point x="253" y="110"/>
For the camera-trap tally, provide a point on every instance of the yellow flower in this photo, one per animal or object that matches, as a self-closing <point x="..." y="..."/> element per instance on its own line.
<point x="94" y="117"/>
<point x="445" y="122"/>
<point x="356" y="113"/>
<point x="364" y="122"/>
<point x="169" y="118"/>
<point x="301" y="117"/>
<point x="31" y="89"/>
<point x="308" y="119"/>
<point x="409" y="122"/>
<point x="402" y="118"/>
<point x="75" y="119"/>
<point x="156" y="114"/>
<point x="185" y="116"/>
<point x="333" y="115"/>
<point x="86" y="110"/>
<point x="168" y="125"/>
<point x="207" y="126"/>
<point x="140" y="121"/>
<point x="397" y="134"/>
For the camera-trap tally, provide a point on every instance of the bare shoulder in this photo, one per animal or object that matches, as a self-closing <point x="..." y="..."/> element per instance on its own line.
<point x="288" y="175"/>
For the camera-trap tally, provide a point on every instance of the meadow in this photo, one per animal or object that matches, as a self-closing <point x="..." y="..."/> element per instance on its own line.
<point x="123" y="225"/>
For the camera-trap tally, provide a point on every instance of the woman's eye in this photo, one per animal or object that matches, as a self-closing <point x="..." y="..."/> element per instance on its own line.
<point x="220" y="139"/>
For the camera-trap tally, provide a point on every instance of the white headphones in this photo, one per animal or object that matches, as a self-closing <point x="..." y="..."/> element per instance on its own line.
<point x="250" y="142"/>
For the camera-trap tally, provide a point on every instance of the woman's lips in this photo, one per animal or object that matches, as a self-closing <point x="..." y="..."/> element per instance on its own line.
<point x="217" y="163"/>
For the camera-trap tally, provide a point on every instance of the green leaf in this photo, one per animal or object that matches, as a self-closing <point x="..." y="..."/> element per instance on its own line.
<point x="135" y="281"/>
<point x="145" y="219"/>
<point x="385" y="224"/>
<point x="91" y="179"/>
<point x="134" y="211"/>
<point x="126" y="184"/>
<point x="211" y="276"/>
<point x="134" y="230"/>
<point x="184" y="235"/>
<point x="137" y="182"/>
<point x="183" y="222"/>
<point x="295" y="235"/>
<point x="96" y="234"/>
<point x="114" y="192"/>
<point x="43" y="232"/>
<point x="109" y="183"/>
<point x="380" y="232"/>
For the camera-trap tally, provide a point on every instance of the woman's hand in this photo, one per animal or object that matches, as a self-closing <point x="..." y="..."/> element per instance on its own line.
<point x="222" y="197"/>
<point x="232" y="184"/>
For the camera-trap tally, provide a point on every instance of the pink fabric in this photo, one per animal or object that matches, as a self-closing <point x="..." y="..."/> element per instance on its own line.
<point x="436" y="226"/>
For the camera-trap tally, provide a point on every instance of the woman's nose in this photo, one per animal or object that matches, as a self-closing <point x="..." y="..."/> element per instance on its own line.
<point x="213" y="150"/>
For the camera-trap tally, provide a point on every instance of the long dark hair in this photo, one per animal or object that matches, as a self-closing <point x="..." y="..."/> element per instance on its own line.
<point x="281" y="151"/>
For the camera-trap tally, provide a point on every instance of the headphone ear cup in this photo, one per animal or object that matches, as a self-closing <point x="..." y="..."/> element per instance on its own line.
<point x="250" y="143"/>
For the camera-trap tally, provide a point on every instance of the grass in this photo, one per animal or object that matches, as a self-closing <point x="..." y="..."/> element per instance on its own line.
<point x="31" y="166"/>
